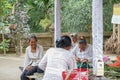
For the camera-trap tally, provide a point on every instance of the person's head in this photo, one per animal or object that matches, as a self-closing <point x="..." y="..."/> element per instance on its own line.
<point x="74" y="37"/>
<point x="82" y="44"/>
<point x="64" y="42"/>
<point x="81" y="37"/>
<point x="33" y="41"/>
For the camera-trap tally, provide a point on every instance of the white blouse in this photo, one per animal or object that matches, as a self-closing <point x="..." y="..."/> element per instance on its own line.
<point x="88" y="53"/>
<point x="33" y="58"/>
<point x="55" y="61"/>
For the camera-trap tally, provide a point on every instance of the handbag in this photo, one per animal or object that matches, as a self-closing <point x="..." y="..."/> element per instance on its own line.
<point x="76" y="74"/>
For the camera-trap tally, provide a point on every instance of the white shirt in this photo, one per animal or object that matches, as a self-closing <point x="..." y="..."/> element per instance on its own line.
<point x="88" y="53"/>
<point x="74" y="45"/>
<point x="33" y="58"/>
<point x="55" y="61"/>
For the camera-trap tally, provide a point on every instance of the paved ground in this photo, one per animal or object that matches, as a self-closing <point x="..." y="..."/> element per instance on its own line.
<point x="9" y="66"/>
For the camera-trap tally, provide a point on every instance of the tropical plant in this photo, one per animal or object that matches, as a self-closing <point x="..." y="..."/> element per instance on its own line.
<point x="76" y="15"/>
<point x="14" y="17"/>
<point x="4" y="45"/>
<point x="19" y="26"/>
<point x="39" y="10"/>
<point x="5" y="7"/>
<point x="108" y="12"/>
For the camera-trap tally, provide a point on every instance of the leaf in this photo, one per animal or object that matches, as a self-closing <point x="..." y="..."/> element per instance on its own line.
<point x="45" y="23"/>
<point x="1" y="24"/>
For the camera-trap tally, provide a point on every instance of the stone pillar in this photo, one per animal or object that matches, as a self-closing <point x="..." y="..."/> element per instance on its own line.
<point x="97" y="31"/>
<point x="57" y="29"/>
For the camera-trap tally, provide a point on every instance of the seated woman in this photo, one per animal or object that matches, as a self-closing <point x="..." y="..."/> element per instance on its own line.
<point x="74" y="38"/>
<point x="83" y="53"/>
<point x="57" y="60"/>
<point x="33" y="55"/>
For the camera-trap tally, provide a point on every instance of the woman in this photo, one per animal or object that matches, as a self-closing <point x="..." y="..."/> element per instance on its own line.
<point x="34" y="53"/>
<point x="57" y="60"/>
<point x="74" y="38"/>
<point x="83" y="52"/>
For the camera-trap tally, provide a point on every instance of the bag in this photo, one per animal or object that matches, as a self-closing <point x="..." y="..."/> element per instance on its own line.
<point x="83" y="65"/>
<point x="76" y="74"/>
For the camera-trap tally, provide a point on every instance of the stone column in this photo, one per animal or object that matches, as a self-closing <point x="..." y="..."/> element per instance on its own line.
<point x="97" y="31"/>
<point x="57" y="29"/>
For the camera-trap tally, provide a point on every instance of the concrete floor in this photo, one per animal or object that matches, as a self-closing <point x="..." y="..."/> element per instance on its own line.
<point x="9" y="66"/>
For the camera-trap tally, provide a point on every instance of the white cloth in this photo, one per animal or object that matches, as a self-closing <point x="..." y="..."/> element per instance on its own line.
<point x="55" y="61"/>
<point x="88" y="53"/>
<point x="33" y="58"/>
<point x="116" y="19"/>
<point x="74" y="44"/>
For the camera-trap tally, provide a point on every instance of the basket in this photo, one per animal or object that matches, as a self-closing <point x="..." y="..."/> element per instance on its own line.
<point x="76" y="74"/>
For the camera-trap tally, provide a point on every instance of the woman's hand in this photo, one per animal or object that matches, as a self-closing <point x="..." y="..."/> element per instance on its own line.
<point x="85" y="60"/>
<point x="78" y="59"/>
<point x="28" y="67"/>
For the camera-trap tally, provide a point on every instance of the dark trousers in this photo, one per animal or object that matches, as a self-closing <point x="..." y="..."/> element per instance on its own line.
<point x="30" y="72"/>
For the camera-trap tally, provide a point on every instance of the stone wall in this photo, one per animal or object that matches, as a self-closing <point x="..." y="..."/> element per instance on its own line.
<point x="47" y="40"/>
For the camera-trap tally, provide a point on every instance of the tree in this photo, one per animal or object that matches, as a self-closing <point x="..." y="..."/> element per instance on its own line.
<point x="15" y="18"/>
<point x="76" y="15"/>
<point x="39" y="13"/>
<point x="5" y="7"/>
<point x="108" y="12"/>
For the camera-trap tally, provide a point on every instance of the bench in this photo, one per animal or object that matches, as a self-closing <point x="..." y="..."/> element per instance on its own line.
<point x="36" y="76"/>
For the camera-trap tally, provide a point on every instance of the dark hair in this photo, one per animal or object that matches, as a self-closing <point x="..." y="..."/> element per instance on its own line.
<point x="32" y="36"/>
<point x="82" y="37"/>
<point x="64" y="41"/>
<point x="74" y="35"/>
<point x="82" y="41"/>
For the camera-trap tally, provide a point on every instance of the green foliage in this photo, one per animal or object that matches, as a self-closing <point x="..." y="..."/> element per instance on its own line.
<point x="35" y="12"/>
<point x="4" y="45"/>
<point x="111" y="72"/>
<point x="107" y="15"/>
<point x="45" y="23"/>
<point x="1" y="25"/>
<point x="5" y="7"/>
<point x="108" y="12"/>
<point x="38" y="10"/>
<point x="76" y="15"/>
